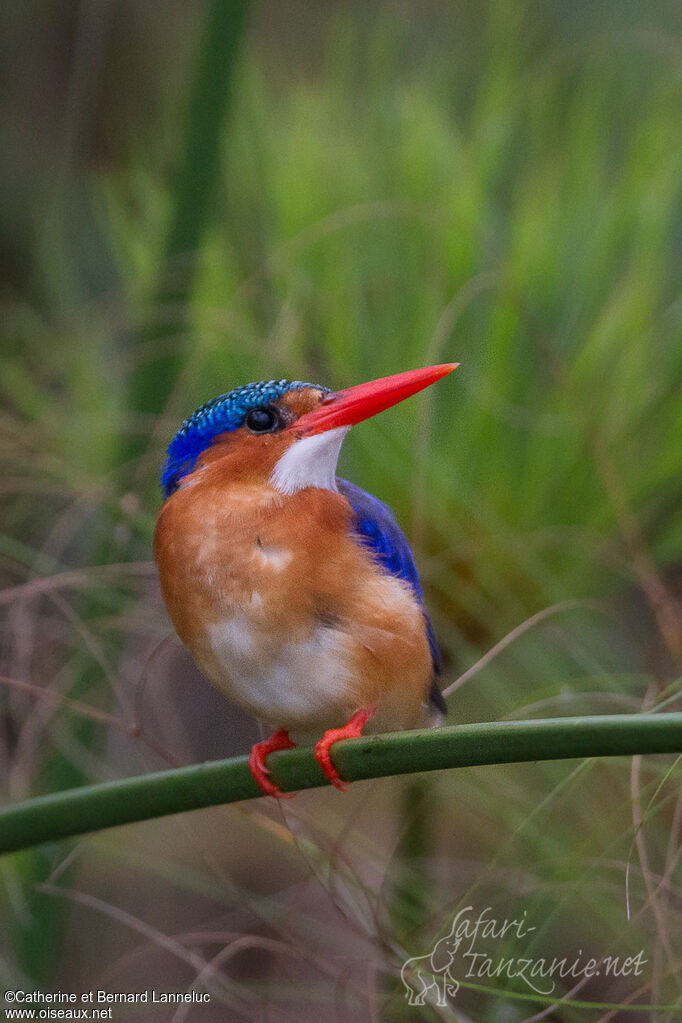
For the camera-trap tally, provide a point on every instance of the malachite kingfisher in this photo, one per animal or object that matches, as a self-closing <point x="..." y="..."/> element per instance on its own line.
<point x="295" y="591"/>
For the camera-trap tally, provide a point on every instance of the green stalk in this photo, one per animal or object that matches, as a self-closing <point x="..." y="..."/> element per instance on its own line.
<point x="93" y="807"/>
<point x="39" y="932"/>
<point x="193" y="205"/>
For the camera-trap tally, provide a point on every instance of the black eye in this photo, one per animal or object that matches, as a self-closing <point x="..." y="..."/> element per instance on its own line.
<point x="262" y="419"/>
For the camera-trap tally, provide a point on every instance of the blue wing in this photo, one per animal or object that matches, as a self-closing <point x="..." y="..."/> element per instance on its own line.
<point x="376" y="524"/>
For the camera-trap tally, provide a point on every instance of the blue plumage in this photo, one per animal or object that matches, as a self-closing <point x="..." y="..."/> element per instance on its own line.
<point x="377" y="526"/>
<point x="221" y="415"/>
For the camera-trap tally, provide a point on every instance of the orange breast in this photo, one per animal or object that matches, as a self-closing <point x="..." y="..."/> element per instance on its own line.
<point x="285" y="611"/>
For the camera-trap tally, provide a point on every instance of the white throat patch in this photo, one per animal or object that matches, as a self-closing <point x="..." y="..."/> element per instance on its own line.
<point x="310" y="462"/>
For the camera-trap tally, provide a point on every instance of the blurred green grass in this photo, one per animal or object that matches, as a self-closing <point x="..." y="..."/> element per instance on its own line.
<point x="499" y="185"/>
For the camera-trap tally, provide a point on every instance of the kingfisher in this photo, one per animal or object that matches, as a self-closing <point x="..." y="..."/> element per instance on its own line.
<point x="295" y="591"/>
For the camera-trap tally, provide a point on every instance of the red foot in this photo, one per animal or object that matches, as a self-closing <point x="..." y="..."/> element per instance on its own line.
<point x="278" y="740"/>
<point x="351" y="730"/>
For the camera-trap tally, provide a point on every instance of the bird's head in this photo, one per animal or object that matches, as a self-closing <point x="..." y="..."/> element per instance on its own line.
<point x="283" y="431"/>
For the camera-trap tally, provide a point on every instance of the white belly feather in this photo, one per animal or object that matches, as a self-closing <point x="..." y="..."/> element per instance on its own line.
<point x="285" y="683"/>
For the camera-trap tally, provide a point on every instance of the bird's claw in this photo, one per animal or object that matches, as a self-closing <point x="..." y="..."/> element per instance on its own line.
<point x="278" y="740"/>
<point x="351" y="730"/>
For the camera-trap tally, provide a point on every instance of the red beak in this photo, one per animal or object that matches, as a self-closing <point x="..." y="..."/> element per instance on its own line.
<point x="353" y="404"/>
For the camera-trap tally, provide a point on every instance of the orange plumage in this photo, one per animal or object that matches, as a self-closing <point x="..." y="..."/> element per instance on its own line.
<point x="241" y="563"/>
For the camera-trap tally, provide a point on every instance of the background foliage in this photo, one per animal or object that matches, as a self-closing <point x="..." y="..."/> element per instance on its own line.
<point x="216" y="194"/>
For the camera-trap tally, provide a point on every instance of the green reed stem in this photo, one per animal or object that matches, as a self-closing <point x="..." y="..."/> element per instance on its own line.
<point x="93" y="807"/>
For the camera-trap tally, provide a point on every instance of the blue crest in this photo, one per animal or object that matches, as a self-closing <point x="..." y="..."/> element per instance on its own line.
<point x="220" y="415"/>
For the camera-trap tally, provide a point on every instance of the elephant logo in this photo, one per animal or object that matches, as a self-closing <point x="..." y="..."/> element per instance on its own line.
<point x="429" y="973"/>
